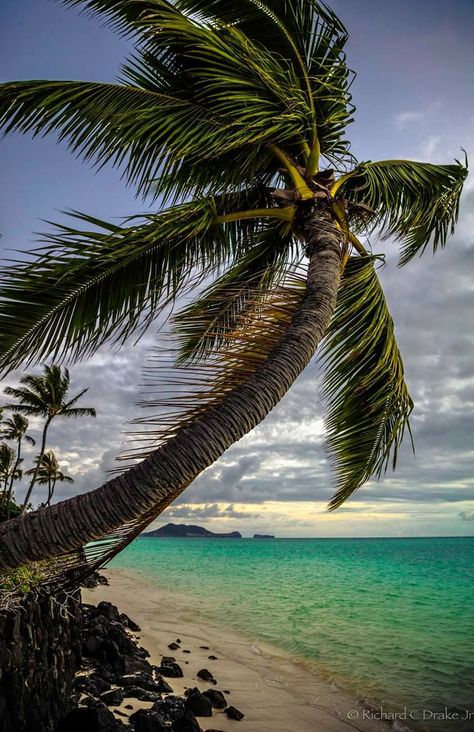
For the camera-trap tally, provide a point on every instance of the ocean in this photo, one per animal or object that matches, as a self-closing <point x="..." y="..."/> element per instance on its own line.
<point x="390" y="620"/>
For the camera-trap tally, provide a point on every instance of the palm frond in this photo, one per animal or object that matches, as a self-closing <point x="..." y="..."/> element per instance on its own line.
<point x="364" y="386"/>
<point x="208" y="323"/>
<point x="186" y="391"/>
<point x="87" y="287"/>
<point x="418" y="203"/>
<point x="135" y="129"/>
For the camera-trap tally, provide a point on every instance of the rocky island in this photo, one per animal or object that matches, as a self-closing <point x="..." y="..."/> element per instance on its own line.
<point x="190" y="532"/>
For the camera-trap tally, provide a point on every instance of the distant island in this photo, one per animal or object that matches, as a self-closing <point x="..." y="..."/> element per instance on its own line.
<point x="263" y="536"/>
<point x="190" y="532"/>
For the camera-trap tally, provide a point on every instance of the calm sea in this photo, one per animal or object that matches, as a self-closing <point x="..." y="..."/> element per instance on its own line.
<point x="390" y="619"/>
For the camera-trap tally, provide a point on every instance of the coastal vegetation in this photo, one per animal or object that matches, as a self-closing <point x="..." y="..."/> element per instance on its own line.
<point x="42" y="396"/>
<point x="234" y="116"/>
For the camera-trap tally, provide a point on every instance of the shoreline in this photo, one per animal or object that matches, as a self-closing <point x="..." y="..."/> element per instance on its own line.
<point x="275" y="691"/>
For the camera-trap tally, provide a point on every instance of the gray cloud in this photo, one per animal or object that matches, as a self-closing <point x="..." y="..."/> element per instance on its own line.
<point x="465" y="516"/>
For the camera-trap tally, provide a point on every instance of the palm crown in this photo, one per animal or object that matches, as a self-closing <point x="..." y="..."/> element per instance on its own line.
<point x="234" y="115"/>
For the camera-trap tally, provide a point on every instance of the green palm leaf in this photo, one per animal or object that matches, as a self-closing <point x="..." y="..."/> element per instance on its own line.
<point x="418" y="203"/>
<point x="122" y="125"/>
<point x="206" y="325"/>
<point x="87" y="287"/>
<point x="364" y="386"/>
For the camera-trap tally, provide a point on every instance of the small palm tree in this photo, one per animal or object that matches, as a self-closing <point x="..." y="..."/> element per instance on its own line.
<point x="46" y="396"/>
<point x="48" y="473"/>
<point x="14" y="428"/>
<point x="235" y="115"/>
<point x="9" y="469"/>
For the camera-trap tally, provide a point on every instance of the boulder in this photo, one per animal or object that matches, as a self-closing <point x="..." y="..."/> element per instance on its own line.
<point x="146" y="720"/>
<point x="134" y="692"/>
<point x="171" y="670"/>
<point x="108" y="610"/>
<point x="198" y="704"/>
<point x="186" y="723"/>
<point x="144" y="681"/>
<point x="92" y="684"/>
<point x="170" y="708"/>
<point x="216" y="698"/>
<point x="92" y="646"/>
<point x="91" y="718"/>
<point x="234" y="713"/>
<point x="206" y="675"/>
<point x="113" y="697"/>
<point x="129" y="623"/>
<point x="173" y="646"/>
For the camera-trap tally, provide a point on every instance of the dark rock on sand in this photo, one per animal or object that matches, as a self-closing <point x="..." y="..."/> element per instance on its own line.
<point x="213" y="658"/>
<point x="234" y="713"/>
<point x="185" y="650"/>
<point x="92" y="646"/>
<point x="92" y="719"/>
<point x="93" y="580"/>
<point x="170" y="708"/>
<point x="216" y="698"/>
<point x="129" y="623"/>
<point x="108" y="610"/>
<point x="167" y="659"/>
<point x="173" y="646"/>
<point x="134" y="692"/>
<point x="198" y="704"/>
<point x="186" y="723"/>
<point x="112" y="698"/>
<point x="206" y="675"/>
<point x="171" y="670"/>
<point x="144" y="681"/>
<point x="92" y="684"/>
<point x="146" y="720"/>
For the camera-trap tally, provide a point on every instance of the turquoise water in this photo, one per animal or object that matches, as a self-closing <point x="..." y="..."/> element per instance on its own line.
<point x="390" y="619"/>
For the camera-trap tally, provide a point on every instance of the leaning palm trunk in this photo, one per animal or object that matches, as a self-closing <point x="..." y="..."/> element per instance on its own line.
<point x="146" y="489"/>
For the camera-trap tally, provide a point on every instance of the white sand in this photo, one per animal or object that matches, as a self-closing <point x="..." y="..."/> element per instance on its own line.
<point x="275" y="692"/>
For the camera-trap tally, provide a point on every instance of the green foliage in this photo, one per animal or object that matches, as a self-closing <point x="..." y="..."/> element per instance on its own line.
<point x="9" y="510"/>
<point x="418" y="203"/>
<point x="368" y="404"/>
<point x="21" y="580"/>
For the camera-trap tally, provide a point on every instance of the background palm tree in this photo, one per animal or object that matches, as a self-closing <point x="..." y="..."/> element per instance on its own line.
<point x="9" y="469"/>
<point x="14" y="428"/>
<point x="46" y="396"/>
<point x="48" y="473"/>
<point x="235" y="116"/>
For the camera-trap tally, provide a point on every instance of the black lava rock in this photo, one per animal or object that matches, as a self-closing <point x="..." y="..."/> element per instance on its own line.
<point x="216" y="698"/>
<point x="171" y="670"/>
<point x="92" y="684"/>
<point x="206" y="675"/>
<point x="213" y="658"/>
<point x="173" y="646"/>
<point x="92" y="719"/>
<point x="112" y="698"/>
<point x="108" y="610"/>
<point x="134" y="692"/>
<point x="146" y="720"/>
<point x="170" y="708"/>
<point x="129" y="623"/>
<point x="92" y="646"/>
<point x="186" y="723"/>
<point x="198" y="704"/>
<point x="234" y="713"/>
<point x="144" y="681"/>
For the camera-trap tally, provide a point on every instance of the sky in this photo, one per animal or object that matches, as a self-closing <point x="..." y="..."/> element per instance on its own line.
<point x="414" y="99"/>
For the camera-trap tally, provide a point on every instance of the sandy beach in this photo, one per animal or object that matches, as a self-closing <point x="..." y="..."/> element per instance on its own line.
<point x="275" y="692"/>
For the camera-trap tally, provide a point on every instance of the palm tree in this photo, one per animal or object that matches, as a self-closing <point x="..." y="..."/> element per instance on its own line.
<point x="14" y="428"/>
<point x="9" y="469"/>
<point x="46" y="396"/>
<point x="234" y="115"/>
<point x="48" y="473"/>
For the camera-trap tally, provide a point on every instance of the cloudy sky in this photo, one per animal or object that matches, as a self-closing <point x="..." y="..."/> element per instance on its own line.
<point x="414" y="97"/>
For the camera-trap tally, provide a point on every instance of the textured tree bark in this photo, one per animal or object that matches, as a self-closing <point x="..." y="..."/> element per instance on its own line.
<point x="155" y="482"/>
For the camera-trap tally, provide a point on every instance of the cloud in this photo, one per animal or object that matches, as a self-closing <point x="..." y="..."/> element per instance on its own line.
<point x="404" y="119"/>
<point x="465" y="516"/>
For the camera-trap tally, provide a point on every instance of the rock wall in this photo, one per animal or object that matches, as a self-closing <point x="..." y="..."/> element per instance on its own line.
<point x="40" y="649"/>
